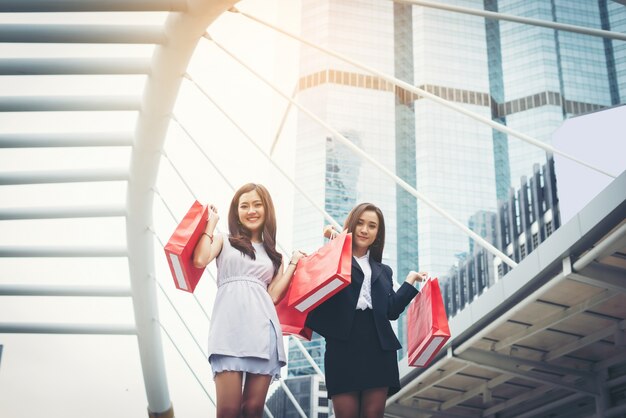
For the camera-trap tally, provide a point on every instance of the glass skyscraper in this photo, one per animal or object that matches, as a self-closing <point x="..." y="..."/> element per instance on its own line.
<point x="527" y="77"/>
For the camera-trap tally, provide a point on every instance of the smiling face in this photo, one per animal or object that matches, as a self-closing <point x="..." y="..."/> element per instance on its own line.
<point x="365" y="231"/>
<point x="251" y="212"/>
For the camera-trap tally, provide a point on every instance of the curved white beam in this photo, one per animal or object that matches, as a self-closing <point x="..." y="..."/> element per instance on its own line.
<point x="169" y="63"/>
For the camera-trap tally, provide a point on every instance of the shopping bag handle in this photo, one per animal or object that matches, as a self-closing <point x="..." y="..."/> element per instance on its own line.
<point x="423" y="282"/>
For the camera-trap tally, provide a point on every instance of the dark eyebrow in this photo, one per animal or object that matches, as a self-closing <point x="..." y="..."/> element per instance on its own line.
<point x="253" y="202"/>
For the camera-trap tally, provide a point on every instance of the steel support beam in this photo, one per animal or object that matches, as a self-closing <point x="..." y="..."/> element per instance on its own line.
<point x="613" y="242"/>
<point x="41" y="6"/>
<point x="69" y="139"/>
<point x="87" y="329"/>
<point x="551" y="405"/>
<point x="81" y="34"/>
<point x="62" y="212"/>
<point x="477" y="390"/>
<point x="68" y="103"/>
<point x="57" y="251"/>
<point x="616" y="411"/>
<point x="563" y="350"/>
<point x="512" y="366"/>
<point x="400" y="411"/>
<point x="422" y="386"/>
<point x="607" y="277"/>
<point x="611" y="361"/>
<point x="555" y="319"/>
<point x="526" y="396"/>
<point x="80" y="291"/>
<point x="62" y="176"/>
<point x="74" y="66"/>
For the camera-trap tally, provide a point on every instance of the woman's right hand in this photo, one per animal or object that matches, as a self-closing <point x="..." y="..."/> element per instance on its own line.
<point x="415" y="276"/>
<point x="213" y="216"/>
<point x="330" y="232"/>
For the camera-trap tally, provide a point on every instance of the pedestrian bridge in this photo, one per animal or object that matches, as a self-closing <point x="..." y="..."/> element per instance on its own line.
<point x="547" y="340"/>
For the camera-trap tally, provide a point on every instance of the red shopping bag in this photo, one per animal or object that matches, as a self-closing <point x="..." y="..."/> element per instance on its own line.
<point x="322" y="274"/>
<point x="427" y="324"/>
<point x="179" y="248"/>
<point x="292" y="321"/>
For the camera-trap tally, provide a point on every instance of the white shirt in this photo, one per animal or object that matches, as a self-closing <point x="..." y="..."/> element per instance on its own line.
<point x="365" y="297"/>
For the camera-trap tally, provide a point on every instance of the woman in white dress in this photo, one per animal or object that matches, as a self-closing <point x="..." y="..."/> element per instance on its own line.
<point x="245" y="339"/>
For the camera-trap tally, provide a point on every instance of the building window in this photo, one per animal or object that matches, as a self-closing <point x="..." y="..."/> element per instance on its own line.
<point x="535" y="241"/>
<point x="522" y="250"/>
<point x="549" y="228"/>
<point x="323" y="401"/>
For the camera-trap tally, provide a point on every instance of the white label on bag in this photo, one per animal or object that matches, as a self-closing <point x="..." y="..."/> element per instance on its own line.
<point x="178" y="271"/>
<point x="430" y="349"/>
<point x="315" y="297"/>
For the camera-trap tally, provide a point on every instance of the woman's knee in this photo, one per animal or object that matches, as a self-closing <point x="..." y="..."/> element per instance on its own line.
<point x="228" y="411"/>
<point x="373" y="411"/>
<point x="252" y="408"/>
<point x="373" y="403"/>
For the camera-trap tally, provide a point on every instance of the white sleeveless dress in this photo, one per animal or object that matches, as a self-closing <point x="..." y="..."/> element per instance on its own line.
<point x="245" y="334"/>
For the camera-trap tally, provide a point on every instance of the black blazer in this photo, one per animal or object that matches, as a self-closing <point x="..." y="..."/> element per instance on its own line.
<point x="333" y="318"/>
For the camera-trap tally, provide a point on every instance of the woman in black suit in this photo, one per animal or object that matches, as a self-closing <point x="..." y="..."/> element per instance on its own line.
<point x="360" y="361"/>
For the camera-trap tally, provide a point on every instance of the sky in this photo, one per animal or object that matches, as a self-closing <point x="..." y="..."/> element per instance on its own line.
<point x="100" y="376"/>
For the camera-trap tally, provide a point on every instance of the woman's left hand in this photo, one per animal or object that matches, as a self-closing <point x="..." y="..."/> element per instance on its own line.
<point x="414" y="276"/>
<point x="296" y="256"/>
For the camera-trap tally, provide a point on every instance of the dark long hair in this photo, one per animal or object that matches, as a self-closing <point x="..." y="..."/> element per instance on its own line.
<point x="240" y="236"/>
<point x="376" y="249"/>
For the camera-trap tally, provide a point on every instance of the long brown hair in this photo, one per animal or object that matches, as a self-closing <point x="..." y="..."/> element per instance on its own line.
<point x="240" y="236"/>
<point x="376" y="249"/>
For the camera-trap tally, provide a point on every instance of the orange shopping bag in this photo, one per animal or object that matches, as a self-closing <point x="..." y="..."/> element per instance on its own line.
<point x="322" y="274"/>
<point x="427" y="324"/>
<point x="291" y="320"/>
<point x="179" y="248"/>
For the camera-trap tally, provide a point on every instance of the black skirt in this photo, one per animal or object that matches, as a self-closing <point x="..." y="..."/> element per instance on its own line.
<point x="360" y="363"/>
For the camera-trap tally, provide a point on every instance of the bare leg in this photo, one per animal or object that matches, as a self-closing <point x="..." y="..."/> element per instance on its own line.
<point x="228" y="391"/>
<point x="373" y="403"/>
<point x="346" y="405"/>
<point x="254" y="394"/>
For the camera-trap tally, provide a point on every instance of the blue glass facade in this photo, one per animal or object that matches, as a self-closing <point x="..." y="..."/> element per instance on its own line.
<point x="527" y="77"/>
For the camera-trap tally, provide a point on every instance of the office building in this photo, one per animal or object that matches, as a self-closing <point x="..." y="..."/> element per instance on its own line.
<point x="527" y="77"/>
